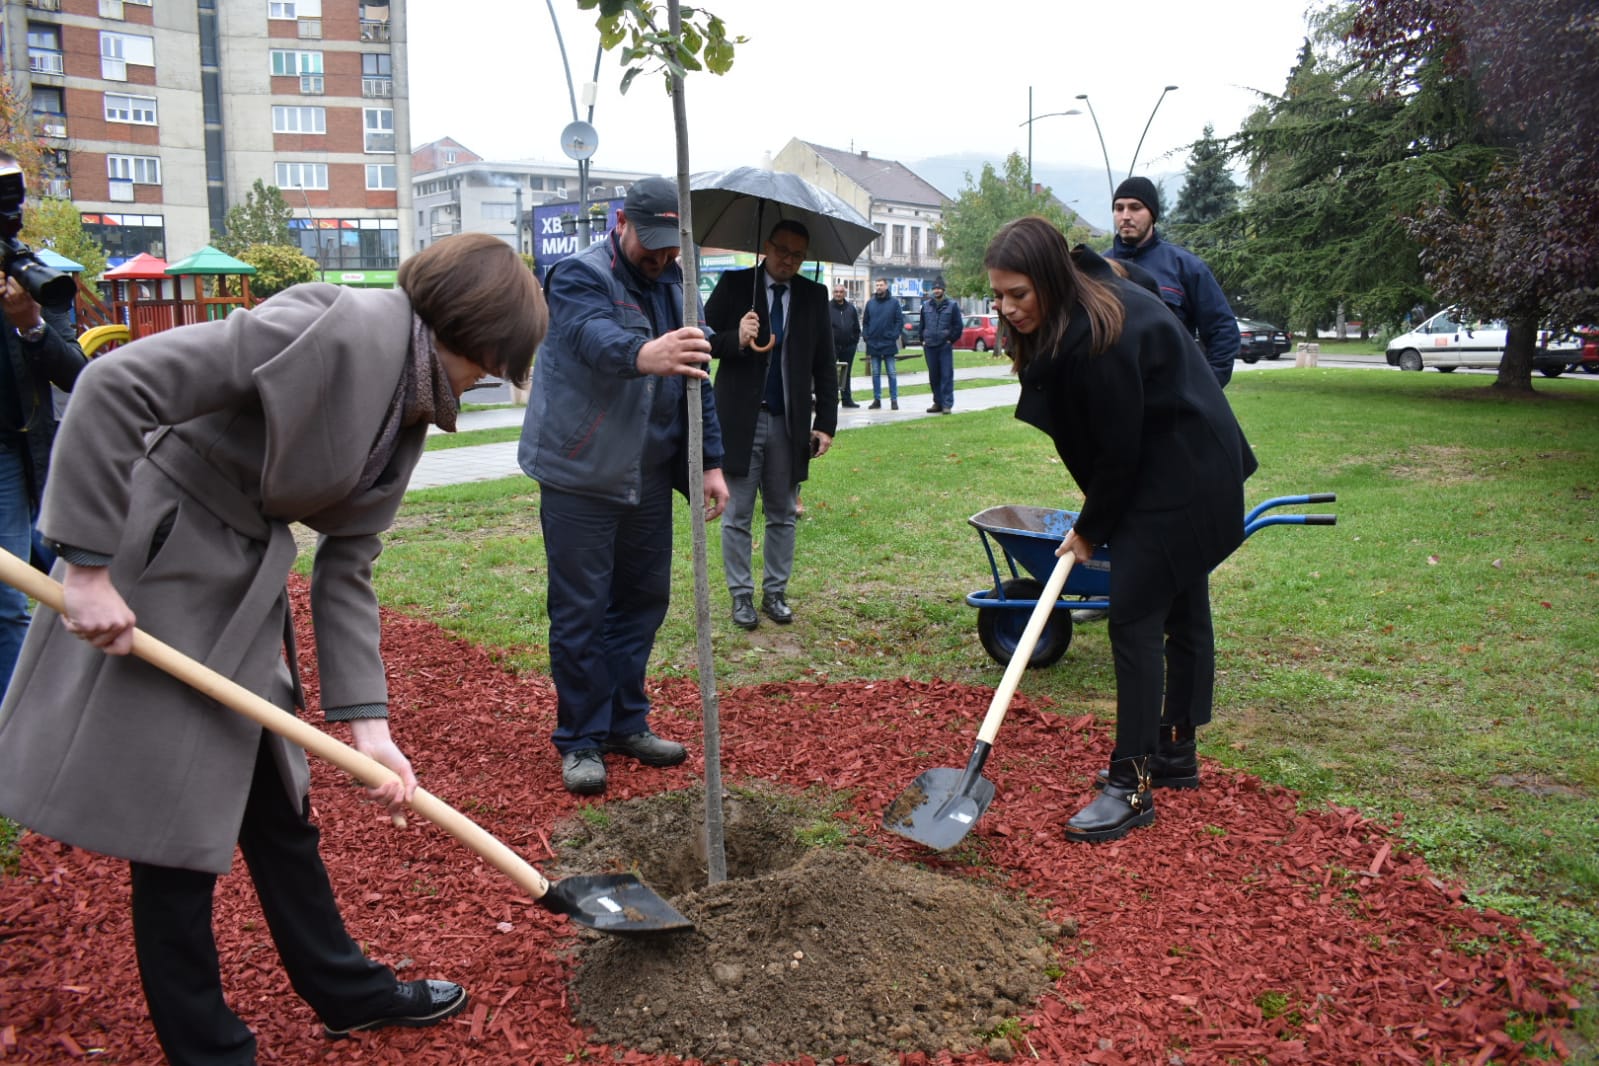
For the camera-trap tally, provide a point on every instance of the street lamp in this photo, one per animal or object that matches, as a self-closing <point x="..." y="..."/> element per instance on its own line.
<point x="1110" y="183"/>
<point x="578" y="142"/>
<point x="1163" y="92"/>
<point x="1032" y="118"/>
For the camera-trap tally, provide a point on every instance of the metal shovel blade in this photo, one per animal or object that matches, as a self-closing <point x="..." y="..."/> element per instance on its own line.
<point x="939" y="808"/>
<point x="612" y="903"/>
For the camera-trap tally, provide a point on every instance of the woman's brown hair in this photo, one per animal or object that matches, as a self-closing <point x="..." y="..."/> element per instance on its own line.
<point x="481" y="301"/>
<point x="1034" y="247"/>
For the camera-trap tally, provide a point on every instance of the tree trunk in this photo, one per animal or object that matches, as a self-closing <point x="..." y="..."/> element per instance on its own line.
<point x="1515" y="369"/>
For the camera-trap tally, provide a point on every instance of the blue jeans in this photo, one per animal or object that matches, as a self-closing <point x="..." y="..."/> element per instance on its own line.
<point x="610" y="580"/>
<point x="878" y="362"/>
<point x="16" y="537"/>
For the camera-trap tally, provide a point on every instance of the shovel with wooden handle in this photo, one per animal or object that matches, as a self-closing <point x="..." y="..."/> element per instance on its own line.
<point x="941" y="806"/>
<point x="613" y="903"/>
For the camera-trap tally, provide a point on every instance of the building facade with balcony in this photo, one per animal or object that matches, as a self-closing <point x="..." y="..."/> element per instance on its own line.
<point x="455" y="190"/>
<point x="903" y="207"/>
<point x="162" y="114"/>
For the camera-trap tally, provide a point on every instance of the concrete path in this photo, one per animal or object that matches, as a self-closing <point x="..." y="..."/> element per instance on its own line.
<point x="486" y="462"/>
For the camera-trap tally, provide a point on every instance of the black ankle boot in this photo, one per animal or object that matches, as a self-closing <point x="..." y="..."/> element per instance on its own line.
<point x="1175" y="763"/>
<point x="1125" y="803"/>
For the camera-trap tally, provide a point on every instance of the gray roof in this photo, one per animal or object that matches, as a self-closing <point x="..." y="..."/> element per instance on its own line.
<point x="883" y="179"/>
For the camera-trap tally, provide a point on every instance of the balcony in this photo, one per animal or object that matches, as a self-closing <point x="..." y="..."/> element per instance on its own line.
<point x="45" y="5"/>
<point x="310" y="29"/>
<point x="311" y="85"/>
<point x="43" y="61"/>
<point x="379" y="142"/>
<point x="373" y="88"/>
<point x="374" y="31"/>
<point x="111" y="9"/>
<point x="53" y="125"/>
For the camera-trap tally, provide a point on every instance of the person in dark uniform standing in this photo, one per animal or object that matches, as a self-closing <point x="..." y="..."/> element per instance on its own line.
<point x="846" y="337"/>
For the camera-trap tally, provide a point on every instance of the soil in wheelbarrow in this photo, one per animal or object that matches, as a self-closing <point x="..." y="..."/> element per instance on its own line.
<point x="811" y="947"/>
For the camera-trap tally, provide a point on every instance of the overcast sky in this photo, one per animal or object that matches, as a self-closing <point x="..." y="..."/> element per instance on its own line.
<point x="903" y="81"/>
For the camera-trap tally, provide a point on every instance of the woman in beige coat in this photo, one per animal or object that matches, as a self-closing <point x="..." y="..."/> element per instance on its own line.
<point x="181" y="462"/>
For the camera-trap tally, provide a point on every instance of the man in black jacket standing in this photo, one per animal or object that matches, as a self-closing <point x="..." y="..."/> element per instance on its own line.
<point x="41" y="349"/>
<point x="765" y="400"/>
<point x="846" y="336"/>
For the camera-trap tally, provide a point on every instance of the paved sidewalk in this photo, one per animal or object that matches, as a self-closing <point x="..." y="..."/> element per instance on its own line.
<point x="486" y="462"/>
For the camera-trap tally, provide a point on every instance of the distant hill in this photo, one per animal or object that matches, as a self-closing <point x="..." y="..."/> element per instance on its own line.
<point x="1081" y="188"/>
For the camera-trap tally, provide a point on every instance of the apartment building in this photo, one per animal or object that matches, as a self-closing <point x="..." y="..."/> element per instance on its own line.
<point x="162" y="114"/>
<point x="902" y="205"/>
<point x="455" y="190"/>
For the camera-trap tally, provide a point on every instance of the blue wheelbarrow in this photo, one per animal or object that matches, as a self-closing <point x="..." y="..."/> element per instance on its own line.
<point x="1026" y="539"/>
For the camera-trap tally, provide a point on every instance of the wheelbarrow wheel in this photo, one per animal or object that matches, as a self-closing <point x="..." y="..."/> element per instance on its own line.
<point x="1000" y="628"/>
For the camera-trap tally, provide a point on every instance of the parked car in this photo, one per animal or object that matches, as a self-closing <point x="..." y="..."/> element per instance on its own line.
<point x="1255" y="341"/>
<point x="1449" y="341"/>
<point x="981" y="333"/>
<point x="1588" y="355"/>
<point x="910" y="335"/>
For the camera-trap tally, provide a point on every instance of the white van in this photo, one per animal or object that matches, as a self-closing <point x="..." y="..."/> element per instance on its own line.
<point x="1448" y="340"/>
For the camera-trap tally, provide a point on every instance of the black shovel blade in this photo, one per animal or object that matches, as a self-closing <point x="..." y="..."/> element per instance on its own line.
<point x="613" y="903"/>
<point x="940" y="807"/>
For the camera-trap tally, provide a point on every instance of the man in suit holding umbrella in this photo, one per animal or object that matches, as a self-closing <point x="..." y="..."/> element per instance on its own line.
<point x="765" y="398"/>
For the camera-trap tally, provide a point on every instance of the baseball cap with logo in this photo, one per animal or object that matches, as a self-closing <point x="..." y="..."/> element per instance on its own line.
<point x="651" y="209"/>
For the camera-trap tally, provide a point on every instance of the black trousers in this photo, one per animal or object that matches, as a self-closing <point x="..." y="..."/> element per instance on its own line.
<point x="177" y="950"/>
<point x="1165" y="669"/>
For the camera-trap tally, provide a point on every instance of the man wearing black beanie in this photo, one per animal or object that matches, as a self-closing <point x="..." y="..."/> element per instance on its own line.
<point x="1186" y="283"/>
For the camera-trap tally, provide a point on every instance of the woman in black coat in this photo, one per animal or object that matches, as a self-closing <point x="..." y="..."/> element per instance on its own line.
<point x="1142" y="427"/>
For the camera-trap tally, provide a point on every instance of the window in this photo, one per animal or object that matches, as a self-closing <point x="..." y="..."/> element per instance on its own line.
<point x="379" y="129"/>
<point x="536" y="183"/>
<point x="899" y="240"/>
<point x="44" y="50"/>
<point x="377" y="65"/>
<point x="294" y="9"/>
<point x="288" y="64"/>
<point x="300" y="175"/>
<point x="117" y="50"/>
<point x="120" y="107"/>
<point x="139" y="169"/>
<point x="299" y="120"/>
<point x="503" y="212"/>
<point x="125" y="236"/>
<point x="449" y="158"/>
<point x="381" y="176"/>
<point x="47" y="102"/>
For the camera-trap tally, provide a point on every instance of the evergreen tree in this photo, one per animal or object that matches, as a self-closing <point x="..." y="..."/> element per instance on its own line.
<point x="263" y="218"/>
<point x="1209" y="192"/>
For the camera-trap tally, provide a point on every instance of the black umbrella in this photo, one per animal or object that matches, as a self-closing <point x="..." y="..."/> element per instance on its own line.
<point x="736" y="209"/>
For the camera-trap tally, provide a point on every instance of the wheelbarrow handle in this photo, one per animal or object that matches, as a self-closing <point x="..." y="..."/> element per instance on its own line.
<point x="224" y="690"/>
<point x="1024" y="648"/>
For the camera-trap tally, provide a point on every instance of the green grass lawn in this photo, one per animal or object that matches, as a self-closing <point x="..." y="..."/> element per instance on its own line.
<point x="1432" y="660"/>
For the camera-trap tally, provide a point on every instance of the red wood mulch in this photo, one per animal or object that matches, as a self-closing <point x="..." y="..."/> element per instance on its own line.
<point x="1231" y="907"/>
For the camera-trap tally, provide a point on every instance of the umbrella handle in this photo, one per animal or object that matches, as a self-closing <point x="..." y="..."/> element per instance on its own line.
<point x="231" y="694"/>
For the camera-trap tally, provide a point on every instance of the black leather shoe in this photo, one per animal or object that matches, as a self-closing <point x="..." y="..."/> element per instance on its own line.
<point x="648" y="749"/>
<point x="848" y="403"/>
<point x="1125" y="803"/>
<point x="416" y="1004"/>
<point x="583" y="772"/>
<point x="895" y="405"/>
<point x="875" y="405"/>
<point x="935" y="409"/>
<point x="744" y="615"/>
<point x="776" y="608"/>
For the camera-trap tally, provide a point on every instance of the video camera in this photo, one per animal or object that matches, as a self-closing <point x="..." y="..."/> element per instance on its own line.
<point x="48" y="286"/>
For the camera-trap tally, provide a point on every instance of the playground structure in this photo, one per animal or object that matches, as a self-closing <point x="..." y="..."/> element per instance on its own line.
<point x="146" y="295"/>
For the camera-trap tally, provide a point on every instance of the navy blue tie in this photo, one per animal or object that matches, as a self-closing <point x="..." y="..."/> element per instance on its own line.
<point x="774" y="366"/>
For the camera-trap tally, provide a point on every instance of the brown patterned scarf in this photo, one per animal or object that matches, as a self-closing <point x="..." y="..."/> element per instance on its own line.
<point x="423" y="395"/>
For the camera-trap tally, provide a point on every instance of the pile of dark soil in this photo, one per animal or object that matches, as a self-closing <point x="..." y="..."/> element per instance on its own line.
<point x="837" y="954"/>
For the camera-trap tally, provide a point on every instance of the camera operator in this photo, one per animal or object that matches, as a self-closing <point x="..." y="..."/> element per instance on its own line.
<point x="41" y="350"/>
